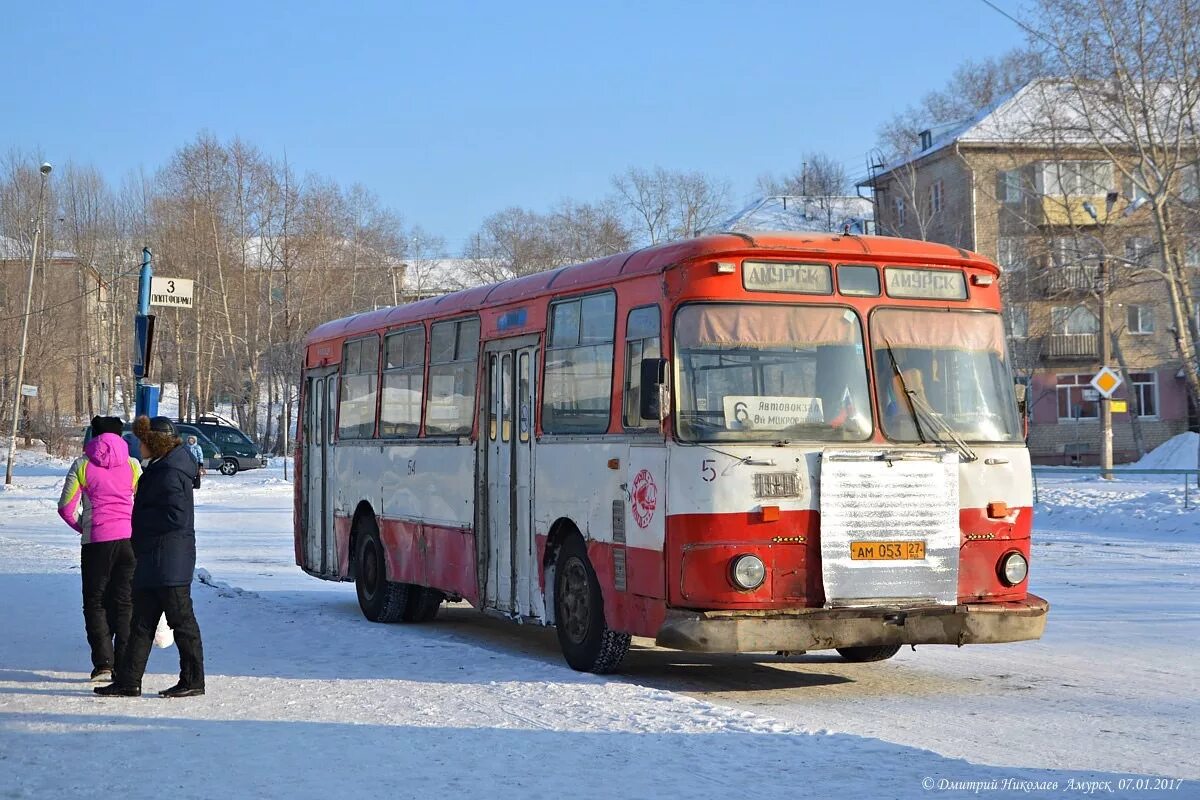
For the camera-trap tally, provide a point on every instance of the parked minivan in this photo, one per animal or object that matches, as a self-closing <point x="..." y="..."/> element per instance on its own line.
<point x="238" y="451"/>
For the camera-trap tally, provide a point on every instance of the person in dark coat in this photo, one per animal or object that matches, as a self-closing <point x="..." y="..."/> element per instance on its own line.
<point x="164" y="541"/>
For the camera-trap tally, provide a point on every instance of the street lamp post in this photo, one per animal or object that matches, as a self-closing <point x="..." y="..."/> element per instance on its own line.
<point x="1106" y="428"/>
<point x="17" y="392"/>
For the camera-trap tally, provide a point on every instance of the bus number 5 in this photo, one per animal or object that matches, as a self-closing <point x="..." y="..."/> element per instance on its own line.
<point x="708" y="470"/>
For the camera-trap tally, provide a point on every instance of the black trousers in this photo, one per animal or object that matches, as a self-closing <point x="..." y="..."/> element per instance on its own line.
<point x="148" y="606"/>
<point x="107" y="569"/>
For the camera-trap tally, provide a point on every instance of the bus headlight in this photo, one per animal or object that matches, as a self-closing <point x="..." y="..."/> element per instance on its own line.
<point x="1013" y="568"/>
<point x="747" y="571"/>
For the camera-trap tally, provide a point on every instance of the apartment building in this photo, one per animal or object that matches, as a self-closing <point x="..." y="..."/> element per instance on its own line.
<point x="1057" y="213"/>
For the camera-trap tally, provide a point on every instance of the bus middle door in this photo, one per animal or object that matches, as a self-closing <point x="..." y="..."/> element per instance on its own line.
<point x="511" y="576"/>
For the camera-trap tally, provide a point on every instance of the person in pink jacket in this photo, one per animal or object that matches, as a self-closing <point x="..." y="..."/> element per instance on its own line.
<point x="97" y="501"/>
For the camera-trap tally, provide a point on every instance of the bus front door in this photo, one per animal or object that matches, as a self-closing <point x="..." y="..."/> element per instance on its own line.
<point x="510" y="579"/>
<point x="320" y="556"/>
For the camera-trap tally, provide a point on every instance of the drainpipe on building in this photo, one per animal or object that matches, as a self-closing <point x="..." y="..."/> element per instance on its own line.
<point x="971" y="175"/>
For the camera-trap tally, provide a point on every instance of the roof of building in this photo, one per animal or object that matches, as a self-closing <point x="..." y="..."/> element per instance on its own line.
<point x="1045" y="112"/>
<point x="434" y="276"/>
<point x="13" y="250"/>
<point x="830" y="214"/>
<point x="649" y="260"/>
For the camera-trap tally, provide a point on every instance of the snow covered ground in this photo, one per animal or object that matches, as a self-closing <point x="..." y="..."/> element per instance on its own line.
<point x="307" y="699"/>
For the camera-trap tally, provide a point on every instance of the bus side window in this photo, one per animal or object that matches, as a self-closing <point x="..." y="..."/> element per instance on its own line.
<point x="577" y="378"/>
<point x="642" y="340"/>
<point x="450" y="399"/>
<point x="360" y="378"/>
<point x="403" y="382"/>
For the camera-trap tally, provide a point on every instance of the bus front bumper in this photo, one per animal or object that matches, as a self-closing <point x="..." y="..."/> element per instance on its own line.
<point x="830" y="628"/>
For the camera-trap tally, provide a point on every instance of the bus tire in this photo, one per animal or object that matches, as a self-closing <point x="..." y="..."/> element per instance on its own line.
<point x="423" y="604"/>
<point x="864" y="655"/>
<point x="587" y="643"/>
<point x="380" y="599"/>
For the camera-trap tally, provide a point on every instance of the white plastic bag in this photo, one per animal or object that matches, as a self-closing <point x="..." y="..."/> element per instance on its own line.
<point x="163" y="635"/>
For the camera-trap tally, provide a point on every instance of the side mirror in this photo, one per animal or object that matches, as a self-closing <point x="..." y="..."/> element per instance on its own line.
<point x="654" y="377"/>
<point x="1021" y="390"/>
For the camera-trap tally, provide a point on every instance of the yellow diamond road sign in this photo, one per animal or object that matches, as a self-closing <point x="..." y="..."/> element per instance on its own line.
<point x="1106" y="381"/>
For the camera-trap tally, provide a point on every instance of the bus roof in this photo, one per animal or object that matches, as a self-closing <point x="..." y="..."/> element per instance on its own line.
<point x="648" y="261"/>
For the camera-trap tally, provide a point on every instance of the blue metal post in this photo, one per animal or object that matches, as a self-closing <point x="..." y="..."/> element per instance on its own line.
<point x="146" y="397"/>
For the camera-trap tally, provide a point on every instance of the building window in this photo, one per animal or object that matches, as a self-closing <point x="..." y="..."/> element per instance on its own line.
<point x="1189" y="184"/>
<point x="1071" y="402"/>
<point x="356" y="403"/>
<point x="1068" y="321"/>
<point x="577" y="393"/>
<point x="898" y="207"/>
<point x="1017" y="322"/>
<point x="935" y="197"/>
<point x="1191" y="252"/>
<point x="1136" y="187"/>
<point x="403" y="383"/>
<point x="1075" y="178"/>
<point x="642" y="340"/>
<point x="453" y="353"/>
<point x="1140" y="319"/>
<point x="1010" y="253"/>
<point x="1139" y="249"/>
<point x="1010" y="186"/>
<point x="1144" y="389"/>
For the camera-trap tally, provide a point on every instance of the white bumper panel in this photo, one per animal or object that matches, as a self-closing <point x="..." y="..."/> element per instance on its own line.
<point x="889" y="496"/>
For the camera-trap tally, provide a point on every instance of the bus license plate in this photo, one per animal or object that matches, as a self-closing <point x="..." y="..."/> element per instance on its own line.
<point x="887" y="551"/>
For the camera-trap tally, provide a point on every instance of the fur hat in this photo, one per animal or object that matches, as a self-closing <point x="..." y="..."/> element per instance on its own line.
<point x="158" y="442"/>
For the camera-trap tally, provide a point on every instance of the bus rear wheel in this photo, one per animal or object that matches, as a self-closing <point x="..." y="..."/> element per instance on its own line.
<point x="588" y="644"/>
<point x="864" y="655"/>
<point x="380" y="599"/>
<point x="423" y="604"/>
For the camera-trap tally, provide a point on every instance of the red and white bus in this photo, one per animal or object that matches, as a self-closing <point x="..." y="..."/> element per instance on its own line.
<point x="728" y="444"/>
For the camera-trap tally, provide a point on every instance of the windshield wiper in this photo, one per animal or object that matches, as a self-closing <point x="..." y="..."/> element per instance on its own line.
<point x="924" y="414"/>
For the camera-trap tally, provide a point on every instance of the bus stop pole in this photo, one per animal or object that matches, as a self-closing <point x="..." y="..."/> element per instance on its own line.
<point x="146" y="396"/>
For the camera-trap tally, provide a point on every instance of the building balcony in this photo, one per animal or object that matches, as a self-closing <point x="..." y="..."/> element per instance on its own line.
<point x="1072" y="346"/>
<point x="1058" y="281"/>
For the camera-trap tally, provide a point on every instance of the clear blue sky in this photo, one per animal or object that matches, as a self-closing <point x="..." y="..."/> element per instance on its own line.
<point x="450" y="110"/>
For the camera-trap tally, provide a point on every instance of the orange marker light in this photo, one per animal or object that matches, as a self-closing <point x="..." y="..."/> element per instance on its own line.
<point x="997" y="509"/>
<point x="770" y="513"/>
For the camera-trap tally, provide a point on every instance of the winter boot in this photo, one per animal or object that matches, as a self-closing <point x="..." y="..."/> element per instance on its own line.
<point x="102" y="675"/>
<point x="117" y="690"/>
<point x="182" y="690"/>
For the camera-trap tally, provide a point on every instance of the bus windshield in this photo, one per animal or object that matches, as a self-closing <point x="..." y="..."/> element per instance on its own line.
<point x="942" y="375"/>
<point x="752" y="372"/>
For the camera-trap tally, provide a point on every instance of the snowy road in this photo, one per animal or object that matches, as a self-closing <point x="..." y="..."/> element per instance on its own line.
<point x="306" y="699"/>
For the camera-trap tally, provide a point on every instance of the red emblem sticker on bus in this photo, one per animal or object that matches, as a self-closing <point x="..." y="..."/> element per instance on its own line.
<point x="644" y="498"/>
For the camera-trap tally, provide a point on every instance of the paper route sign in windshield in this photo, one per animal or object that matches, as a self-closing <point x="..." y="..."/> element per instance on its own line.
<point x="757" y="412"/>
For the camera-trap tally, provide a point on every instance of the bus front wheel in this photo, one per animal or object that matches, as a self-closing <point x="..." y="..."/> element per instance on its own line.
<point x="380" y="599"/>
<point x="864" y="655"/>
<point x="588" y="644"/>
